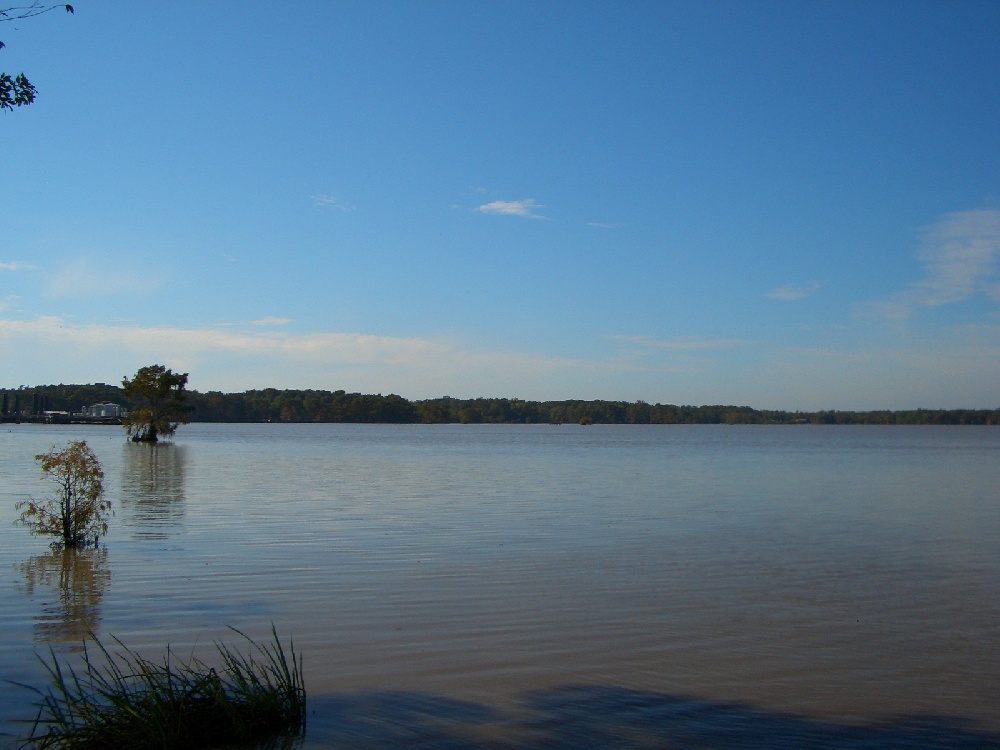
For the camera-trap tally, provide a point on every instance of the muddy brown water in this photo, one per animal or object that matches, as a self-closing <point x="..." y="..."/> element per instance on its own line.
<point x="565" y="586"/>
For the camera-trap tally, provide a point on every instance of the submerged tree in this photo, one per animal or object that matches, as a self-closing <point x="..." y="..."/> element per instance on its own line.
<point x="157" y="395"/>
<point x="18" y="91"/>
<point x="77" y="513"/>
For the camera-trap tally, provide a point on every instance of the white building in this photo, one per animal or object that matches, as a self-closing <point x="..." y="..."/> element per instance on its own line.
<point x="107" y="409"/>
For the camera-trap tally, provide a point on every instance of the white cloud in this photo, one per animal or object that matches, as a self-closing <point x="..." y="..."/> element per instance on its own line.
<point x="527" y="208"/>
<point x="17" y="266"/>
<point x="90" y="278"/>
<point x="603" y="225"/>
<point x="271" y="321"/>
<point x="793" y="293"/>
<point x="680" y="345"/>
<point x="958" y="368"/>
<point x="959" y="255"/>
<point x="265" y="322"/>
<point x="332" y="202"/>
<point x="228" y="359"/>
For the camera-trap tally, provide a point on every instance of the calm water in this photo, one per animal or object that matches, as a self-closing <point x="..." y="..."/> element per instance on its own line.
<point x="514" y="586"/>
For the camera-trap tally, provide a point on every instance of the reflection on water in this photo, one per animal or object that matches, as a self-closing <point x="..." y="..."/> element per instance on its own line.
<point x="600" y="717"/>
<point x="153" y="488"/>
<point x="78" y="578"/>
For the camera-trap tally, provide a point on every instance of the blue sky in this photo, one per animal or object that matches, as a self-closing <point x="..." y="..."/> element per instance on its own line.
<point x="779" y="204"/>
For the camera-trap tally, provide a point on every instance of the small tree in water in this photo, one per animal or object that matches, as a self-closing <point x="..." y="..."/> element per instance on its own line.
<point x="157" y="395"/>
<point x="77" y="513"/>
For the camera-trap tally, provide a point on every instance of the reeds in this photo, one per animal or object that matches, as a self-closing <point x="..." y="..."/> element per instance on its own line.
<point x="126" y="702"/>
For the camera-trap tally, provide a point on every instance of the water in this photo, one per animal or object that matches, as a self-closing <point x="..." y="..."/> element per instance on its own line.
<point x="566" y="586"/>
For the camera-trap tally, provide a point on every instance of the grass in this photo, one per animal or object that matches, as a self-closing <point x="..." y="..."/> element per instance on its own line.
<point x="125" y="702"/>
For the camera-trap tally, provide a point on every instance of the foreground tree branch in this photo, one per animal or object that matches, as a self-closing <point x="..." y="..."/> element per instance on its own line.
<point x="18" y="91"/>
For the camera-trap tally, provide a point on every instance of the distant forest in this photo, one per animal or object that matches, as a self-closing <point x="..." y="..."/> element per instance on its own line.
<point x="272" y="405"/>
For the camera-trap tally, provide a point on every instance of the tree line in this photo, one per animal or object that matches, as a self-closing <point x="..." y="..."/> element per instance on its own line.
<point x="276" y="405"/>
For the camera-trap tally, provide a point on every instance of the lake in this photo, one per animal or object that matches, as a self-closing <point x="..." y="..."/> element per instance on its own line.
<point x="516" y="586"/>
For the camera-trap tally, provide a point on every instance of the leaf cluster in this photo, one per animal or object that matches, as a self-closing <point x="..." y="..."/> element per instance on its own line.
<point x="15" y="92"/>
<point x="124" y="701"/>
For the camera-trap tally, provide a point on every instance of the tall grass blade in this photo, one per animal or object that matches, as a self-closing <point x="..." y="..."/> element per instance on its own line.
<point x="127" y="702"/>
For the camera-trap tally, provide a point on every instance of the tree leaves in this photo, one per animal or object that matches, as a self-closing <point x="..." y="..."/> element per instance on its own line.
<point x="15" y="92"/>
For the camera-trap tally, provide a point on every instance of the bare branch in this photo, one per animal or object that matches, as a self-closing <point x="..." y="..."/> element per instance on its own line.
<point x="18" y="13"/>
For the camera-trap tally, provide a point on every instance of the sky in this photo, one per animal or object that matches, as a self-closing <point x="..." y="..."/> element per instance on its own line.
<point x="787" y="205"/>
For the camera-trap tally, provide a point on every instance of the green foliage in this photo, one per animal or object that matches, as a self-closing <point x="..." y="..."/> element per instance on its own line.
<point x="77" y="514"/>
<point x="126" y="701"/>
<point x="15" y="92"/>
<point x="157" y="395"/>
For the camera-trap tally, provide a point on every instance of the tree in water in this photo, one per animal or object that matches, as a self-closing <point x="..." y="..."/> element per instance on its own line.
<point x="77" y="513"/>
<point x="18" y="91"/>
<point x="157" y="398"/>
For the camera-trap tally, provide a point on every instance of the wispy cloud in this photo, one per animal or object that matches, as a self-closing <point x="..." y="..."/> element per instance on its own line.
<point x="681" y="370"/>
<point x="85" y="277"/>
<point x="528" y="208"/>
<point x="17" y="266"/>
<point x="271" y="321"/>
<point x="679" y="345"/>
<point x="793" y="293"/>
<point x="603" y="225"/>
<point x="332" y="202"/>
<point x="233" y="359"/>
<point x="959" y="255"/>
